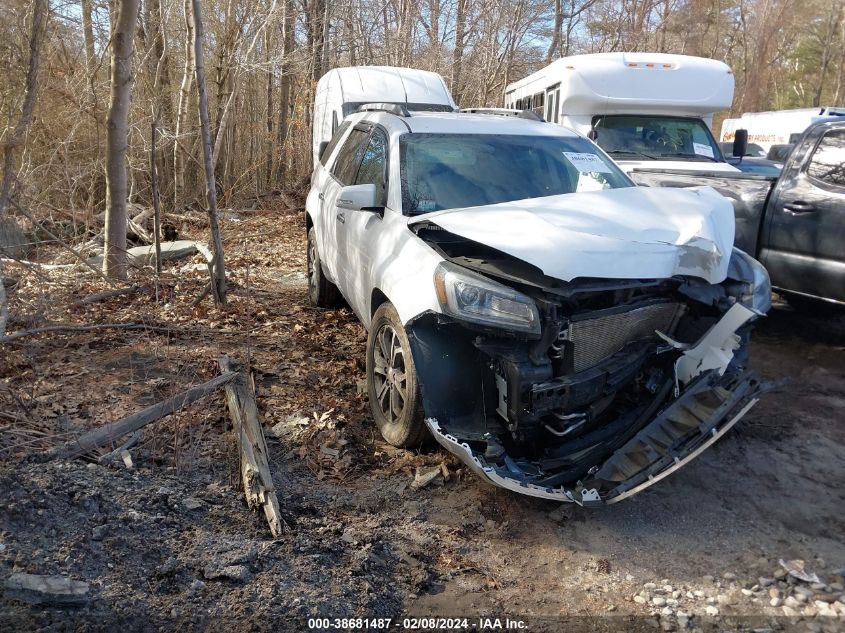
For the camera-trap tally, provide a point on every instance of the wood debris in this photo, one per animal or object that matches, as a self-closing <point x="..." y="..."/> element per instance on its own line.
<point x="255" y="467"/>
<point x="36" y="589"/>
<point x="111" y="432"/>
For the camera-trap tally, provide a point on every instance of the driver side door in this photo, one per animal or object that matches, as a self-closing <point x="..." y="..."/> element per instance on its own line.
<point x="358" y="235"/>
<point x="805" y="251"/>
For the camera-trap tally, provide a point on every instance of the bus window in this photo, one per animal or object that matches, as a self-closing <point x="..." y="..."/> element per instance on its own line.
<point x="538" y="104"/>
<point x="557" y="104"/>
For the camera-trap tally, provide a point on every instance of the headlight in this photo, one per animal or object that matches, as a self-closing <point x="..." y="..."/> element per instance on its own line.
<point x="471" y="297"/>
<point x="748" y="282"/>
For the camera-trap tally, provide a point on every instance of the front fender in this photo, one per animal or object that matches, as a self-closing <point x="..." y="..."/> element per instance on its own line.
<point x="402" y="269"/>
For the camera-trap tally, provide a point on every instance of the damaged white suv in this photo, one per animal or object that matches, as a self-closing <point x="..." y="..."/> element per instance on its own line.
<point x="565" y="333"/>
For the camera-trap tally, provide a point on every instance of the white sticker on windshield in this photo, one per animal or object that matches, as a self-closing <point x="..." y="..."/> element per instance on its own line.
<point x="588" y="163"/>
<point x="703" y="150"/>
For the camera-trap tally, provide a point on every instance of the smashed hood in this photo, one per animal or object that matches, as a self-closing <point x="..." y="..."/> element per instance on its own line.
<point x="628" y="233"/>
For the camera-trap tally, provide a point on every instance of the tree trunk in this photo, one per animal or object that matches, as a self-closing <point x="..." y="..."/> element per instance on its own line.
<point x="556" y="34"/>
<point x="88" y="34"/>
<point x="316" y="18"/>
<point x="218" y="284"/>
<point x="179" y="151"/>
<point x="162" y="103"/>
<point x="123" y="35"/>
<point x="458" y="51"/>
<point x="288" y="31"/>
<point x="268" y="141"/>
<point x="156" y="199"/>
<point x="40" y="10"/>
<point x="840" y="77"/>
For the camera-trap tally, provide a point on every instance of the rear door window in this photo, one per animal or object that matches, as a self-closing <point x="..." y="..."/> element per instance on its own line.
<point x="346" y="165"/>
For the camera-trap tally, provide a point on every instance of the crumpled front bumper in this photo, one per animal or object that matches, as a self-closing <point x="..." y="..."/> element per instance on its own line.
<point x="666" y="460"/>
<point x="714" y="397"/>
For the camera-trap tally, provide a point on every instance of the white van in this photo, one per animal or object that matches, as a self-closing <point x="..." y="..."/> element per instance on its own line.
<point x="341" y="91"/>
<point x="647" y="110"/>
<point x="778" y="127"/>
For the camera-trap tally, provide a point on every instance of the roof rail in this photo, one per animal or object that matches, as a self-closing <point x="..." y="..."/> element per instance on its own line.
<point x="393" y="108"/>
<point x="493" y="111"/>
<point x="531" y="116"/>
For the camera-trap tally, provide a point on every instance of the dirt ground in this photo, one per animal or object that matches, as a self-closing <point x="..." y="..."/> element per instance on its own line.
<point x="170" y="544"/>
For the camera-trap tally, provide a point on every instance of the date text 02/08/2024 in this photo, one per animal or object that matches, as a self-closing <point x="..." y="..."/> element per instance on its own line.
<point x="416" y="624"/>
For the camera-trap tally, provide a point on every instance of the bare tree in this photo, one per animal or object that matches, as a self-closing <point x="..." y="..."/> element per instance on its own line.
<point x="179" y="151"/>
<point x="458" y="50"/>
<point x="218" y="282"/>
<point x="39" y="25"/>
<point x="286" y="71"/>
<point x="555" y="43"/>
<point x="123" y="34"/>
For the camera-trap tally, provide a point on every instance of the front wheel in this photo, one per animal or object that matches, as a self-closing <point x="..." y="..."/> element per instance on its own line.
<point x="392" y="381"/>
<point x="321" y="292"/>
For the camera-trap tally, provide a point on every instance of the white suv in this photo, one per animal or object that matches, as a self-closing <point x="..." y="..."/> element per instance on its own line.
<point x="567" y="334"/>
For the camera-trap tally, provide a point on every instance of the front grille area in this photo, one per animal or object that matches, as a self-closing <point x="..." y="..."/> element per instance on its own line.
<point x="595" y="339"/>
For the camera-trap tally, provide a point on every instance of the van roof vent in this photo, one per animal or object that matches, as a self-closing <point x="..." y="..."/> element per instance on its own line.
<point x="393" y="108"/>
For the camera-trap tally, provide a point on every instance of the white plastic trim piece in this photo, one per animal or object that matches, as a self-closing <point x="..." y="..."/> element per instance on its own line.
<point x="716" y="349"/>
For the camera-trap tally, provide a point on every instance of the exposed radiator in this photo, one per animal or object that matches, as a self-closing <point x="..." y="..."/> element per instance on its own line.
<point x="594" y="340"/>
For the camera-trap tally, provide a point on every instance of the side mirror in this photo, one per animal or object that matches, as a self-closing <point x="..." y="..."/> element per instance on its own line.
<point x="357" y="198"/>
<point x="322" y="149"/>
<point x="740" y="147"/>
<point x="592" y="134"/>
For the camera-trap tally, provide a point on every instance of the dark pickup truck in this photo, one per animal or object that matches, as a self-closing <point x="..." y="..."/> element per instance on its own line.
<point x="794" y="224"/>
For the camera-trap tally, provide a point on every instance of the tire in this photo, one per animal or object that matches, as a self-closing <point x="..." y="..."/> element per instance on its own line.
<point x="392" y="381"/>
<point x="321" y="292"/>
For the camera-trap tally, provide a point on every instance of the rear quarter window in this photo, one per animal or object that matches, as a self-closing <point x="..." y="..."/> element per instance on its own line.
<point x="324" y="157"/>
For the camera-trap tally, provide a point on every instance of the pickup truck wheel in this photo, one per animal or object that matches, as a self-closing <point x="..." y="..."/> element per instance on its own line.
<point x="321" y="292"/>
<point x="392" y="381"/>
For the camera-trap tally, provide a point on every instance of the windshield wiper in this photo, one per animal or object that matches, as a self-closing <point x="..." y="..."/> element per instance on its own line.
<point x="693" y="156"/>
<point x="617" y="152"/>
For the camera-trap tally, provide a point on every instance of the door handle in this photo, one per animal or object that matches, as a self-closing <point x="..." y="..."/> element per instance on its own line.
<point x="341" y="217"/>
<point x="799" y="206"/>
<point x="322" y="196"/>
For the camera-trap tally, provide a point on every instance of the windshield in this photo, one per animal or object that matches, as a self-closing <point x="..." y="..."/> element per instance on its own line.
<point x="656" y="138"/>
<point x="449" y="171"/>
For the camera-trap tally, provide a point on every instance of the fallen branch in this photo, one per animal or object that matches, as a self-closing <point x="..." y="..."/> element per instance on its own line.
<point x="62" y="244"/>
<point x="23" y="262"/>
<point x="138" y="231"/>
<point x="116" y="453"/>
<point x="255" y="468"/>
<point x="111" y="432"/>
<point x="86" y="328"/>
<point x="97" y="297"/>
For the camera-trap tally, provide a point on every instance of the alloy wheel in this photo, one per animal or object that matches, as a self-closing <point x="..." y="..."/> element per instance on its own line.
<point x="389" y="373"/>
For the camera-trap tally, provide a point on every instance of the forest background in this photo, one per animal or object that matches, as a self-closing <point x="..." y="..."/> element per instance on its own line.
<point x="263" y="58"/>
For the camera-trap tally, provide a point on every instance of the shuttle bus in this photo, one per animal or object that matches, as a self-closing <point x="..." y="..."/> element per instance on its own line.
<point x="646" y="110"/>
